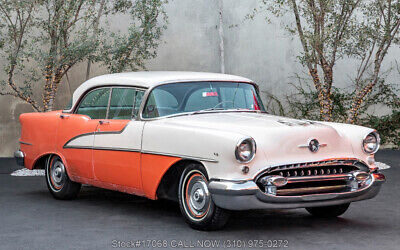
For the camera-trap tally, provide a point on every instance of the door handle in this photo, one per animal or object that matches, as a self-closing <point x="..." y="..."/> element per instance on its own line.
<point x="103" y="122"/>
<point x="62" y="116"/>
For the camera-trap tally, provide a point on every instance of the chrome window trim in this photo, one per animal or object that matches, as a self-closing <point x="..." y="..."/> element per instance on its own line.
<point x="109" y="103"/>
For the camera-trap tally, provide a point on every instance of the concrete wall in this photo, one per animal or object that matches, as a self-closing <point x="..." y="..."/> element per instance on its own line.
<point x="254" y="49"/>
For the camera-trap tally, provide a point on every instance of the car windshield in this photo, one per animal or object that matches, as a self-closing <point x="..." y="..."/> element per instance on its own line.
<point x="195" y="97"/>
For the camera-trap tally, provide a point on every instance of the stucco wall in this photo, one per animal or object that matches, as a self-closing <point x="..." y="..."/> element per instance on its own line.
<point x="254" y="49"/>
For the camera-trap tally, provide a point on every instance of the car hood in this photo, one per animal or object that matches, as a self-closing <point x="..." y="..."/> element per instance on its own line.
<point x="274" y="135"/>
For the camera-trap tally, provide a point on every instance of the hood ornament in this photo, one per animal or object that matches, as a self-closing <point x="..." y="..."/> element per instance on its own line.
<point x="313" y="145"/>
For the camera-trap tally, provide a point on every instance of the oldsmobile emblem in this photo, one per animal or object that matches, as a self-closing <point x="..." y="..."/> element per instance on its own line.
<point x="313" y="145"/>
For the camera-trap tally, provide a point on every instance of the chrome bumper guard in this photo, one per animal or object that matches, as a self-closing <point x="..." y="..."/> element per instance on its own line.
<point x="245" y="195"/>
<point x="19" y="158"/>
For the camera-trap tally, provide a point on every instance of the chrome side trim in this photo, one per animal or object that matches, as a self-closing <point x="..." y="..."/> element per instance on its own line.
<point x="104" y="148"/>
<point x="25" y="143"/>
<point x="78" y="147"/>
<point x="306" y="145"/>
<point x="180" y="156"/>
<point x="93" y="133"/>
<point x="76" y="137"/>
<point x="144" y="152"/>
<point x="117" y="149"/>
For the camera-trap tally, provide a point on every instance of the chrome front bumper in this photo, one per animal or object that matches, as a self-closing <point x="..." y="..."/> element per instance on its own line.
<point x="19" y="157"/>
<point x="247" y="195"/>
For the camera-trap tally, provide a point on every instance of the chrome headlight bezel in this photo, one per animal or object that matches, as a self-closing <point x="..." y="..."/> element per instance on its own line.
<point x="378" y="140"/>
<point x="253" y="147"/>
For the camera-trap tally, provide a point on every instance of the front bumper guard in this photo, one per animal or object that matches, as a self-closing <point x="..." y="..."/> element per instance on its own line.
<point x="247" y="195"/>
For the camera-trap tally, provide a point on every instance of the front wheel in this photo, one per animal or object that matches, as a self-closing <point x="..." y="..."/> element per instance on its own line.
<point x="196" y="203"/>
<point x="329" y="211"/>
<point x="58" y="182"/>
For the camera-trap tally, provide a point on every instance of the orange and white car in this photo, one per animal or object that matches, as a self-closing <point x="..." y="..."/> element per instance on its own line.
<point x="202" y="139"/>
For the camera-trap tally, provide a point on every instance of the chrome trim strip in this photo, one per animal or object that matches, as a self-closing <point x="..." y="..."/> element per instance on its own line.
<point x="309" y="189"/>
<point x="143" y="152"/>
<point x="178" y="155"/>
<point x="117" y="149"/>
<point x="104" y="148"/>
<point x="108" y="103"/>
<point x="306" y="146"/>
<point x="319" y="178"/>
<point x="76" y="137"/>
<point x="94" y="133"/>
<point x="25" y="143"/>
<point x="78" y="147"/>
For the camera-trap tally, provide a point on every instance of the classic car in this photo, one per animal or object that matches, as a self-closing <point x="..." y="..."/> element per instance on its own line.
<point x="203" y="140"/>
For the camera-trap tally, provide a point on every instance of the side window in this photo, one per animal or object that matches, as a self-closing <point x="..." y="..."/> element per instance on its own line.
<point x="138" y="101"/>
<point x="95" y="104"/>
<point x="160" y="103"/>
<point x="121" y="104"/>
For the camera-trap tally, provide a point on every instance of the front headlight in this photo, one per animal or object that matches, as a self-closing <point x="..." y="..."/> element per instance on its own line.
<point x="371" y="142"/>
<point x="245" y="150"/>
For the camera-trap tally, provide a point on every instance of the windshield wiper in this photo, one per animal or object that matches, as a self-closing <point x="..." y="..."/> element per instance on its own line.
<point x="205" y="110"/>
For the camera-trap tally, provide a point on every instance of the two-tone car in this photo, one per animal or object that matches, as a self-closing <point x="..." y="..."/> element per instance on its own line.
<point x="201" y="139"/>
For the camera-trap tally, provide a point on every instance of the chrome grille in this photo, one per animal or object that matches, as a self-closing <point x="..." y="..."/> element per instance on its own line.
<point x="328" y="167"/>
<point x="313" y="177"/>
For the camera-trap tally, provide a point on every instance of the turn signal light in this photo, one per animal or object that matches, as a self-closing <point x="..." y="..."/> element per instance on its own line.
<point x="361" y="176"/>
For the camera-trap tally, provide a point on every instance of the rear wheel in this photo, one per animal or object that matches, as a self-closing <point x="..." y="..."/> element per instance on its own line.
<point x="58" y="182"/>
<point x="196" y="203"/>
<point x="329" y="211"/>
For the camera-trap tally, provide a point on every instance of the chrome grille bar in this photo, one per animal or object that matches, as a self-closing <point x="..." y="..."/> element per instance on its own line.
<point x="319" y="178"/>
<point x="310" y="190"/>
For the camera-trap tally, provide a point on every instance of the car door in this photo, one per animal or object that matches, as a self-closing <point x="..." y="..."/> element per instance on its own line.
<point x="117" y="141"/>
<point x="75" y="136"/>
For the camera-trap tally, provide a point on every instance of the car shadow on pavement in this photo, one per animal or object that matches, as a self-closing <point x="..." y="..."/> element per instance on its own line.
<point x="295" y="219"/>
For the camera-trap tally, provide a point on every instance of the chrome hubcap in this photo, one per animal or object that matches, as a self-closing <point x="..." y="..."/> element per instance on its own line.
<point x="58" y="174"/>
<point x="198" y="196"/>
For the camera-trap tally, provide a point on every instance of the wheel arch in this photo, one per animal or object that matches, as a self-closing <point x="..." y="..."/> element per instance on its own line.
<point x="169" y="184"/>
<point x="40" y="162"/>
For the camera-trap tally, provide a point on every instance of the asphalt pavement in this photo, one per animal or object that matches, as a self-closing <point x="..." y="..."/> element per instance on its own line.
<point x="100" y="219"/>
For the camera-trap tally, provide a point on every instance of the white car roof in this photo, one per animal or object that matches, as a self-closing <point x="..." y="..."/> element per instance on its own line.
<point x="149" y="79"/>
<point x="152" y="78"/>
